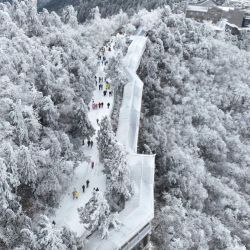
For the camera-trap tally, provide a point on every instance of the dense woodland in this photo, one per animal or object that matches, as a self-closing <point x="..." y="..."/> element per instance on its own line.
<point x="196" y="118"/>
<point x="46" y="78"/>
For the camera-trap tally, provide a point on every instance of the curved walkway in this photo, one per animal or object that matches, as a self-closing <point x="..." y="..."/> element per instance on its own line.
<point x="139" y="210"/>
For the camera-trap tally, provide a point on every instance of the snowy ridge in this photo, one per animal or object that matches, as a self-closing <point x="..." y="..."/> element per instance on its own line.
<point x="139" y="211"/>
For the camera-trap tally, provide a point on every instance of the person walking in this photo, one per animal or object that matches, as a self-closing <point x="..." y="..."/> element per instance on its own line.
<point x="97" y="189"/>
<point x="74" y="194"/>
<point x="99" y="104"/>
<point x="83" y="188"/>
<point x="77" y="195"/>
<point x="53" y="222"/>
<point x="97" y="120"/>
<point x="102" y="104"/>
<point x="108" y="105"/>
<point x="91" y="144"/>
<point x="92" y="164"/>
<point x="105" y="92"/>
<point x="110" y="93"/>
<point x="87" y="183"/>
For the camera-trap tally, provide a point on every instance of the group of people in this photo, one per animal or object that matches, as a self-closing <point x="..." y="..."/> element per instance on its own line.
<point x="105" y="92"/>
<point x="97" y="105"/>
<point x="90" y="143"/>
<point x="83" y="186"/>
<point x="75" y="193"/>
<point x="101" y="55"/>
<point x="107" y="86"/>
<point x="101" y="82"/>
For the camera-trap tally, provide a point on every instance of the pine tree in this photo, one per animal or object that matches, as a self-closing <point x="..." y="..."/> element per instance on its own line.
<point x="29" y="239"/>
<point x="48" y="236"/>
<point x="5" y="190"/>
<point x="105" y="139"/>
<point x="81" y="126"/>
<point x="69" y="239"/>
<point x="95" y="214"/>
<point x="69" y="16"/>
<point x="118" y="180"/>
<point x="26" y="167"/>
<point x="18" y="121"/>
<point x="48" y="112"/>
<point x="114" y="158"/>
<point x="10" y="159"/>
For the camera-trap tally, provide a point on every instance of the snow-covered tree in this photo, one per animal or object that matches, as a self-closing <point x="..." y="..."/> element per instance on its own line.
<point x="118" y="177"/>
<point x="29" y="238"/>
<point x="48" y="237"/>
<point x="95" y="214"/>
<point x="105" y="139"/>
<point x="70" y="239"/>
<point x="26" y="167"/>
<point x="19" y="123"/>
<point x="194" y="119"/>
<point x="113" y="155"/>
<point x="5" y="188"/>
<point x="69" y="16"/>
<point x="81" y="126"/>
<point x="47" y="112"/>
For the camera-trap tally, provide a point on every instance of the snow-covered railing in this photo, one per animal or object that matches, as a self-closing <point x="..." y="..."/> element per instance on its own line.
<point x="137" y="238"/>
<point x="129" y="118"/>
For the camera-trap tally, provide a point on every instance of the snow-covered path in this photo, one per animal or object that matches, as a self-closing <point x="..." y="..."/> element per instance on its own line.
<point x="139" y="210"/>
<point x="66" y="214"/>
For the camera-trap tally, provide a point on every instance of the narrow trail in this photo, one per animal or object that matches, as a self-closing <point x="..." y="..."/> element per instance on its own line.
<point x="66" y="214"/>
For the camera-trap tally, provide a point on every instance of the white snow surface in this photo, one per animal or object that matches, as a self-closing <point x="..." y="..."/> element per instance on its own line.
<point x="67" y="214"/>
<point x="129" y="117"/>
<point x="197" y="8"/>
<point x="139" y="210"/>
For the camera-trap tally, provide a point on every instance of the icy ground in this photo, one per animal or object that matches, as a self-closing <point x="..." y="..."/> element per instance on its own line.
<point x="66" y="214"/>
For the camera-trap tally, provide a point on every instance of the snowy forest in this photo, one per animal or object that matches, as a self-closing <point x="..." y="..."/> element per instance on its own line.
<point x="195" y="118"/>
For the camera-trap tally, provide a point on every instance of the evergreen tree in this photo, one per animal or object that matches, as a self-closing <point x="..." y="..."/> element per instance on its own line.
<point x="81" y="126"/>
<point x="5" y="190"/>
<point x="69" y="16"/>
<point x="19" y="123"/>
<point x="95" y="214"/>
<point x="119" y="186"/>
<point x="70" y="239"/>
<point x="29" y="239"/>
<point x="10" y="159"/>
<point x="105" y="139"/>
<point x="26" y="167"/>
<point x="118" y="178"/>
<point x="48" y="237"/>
